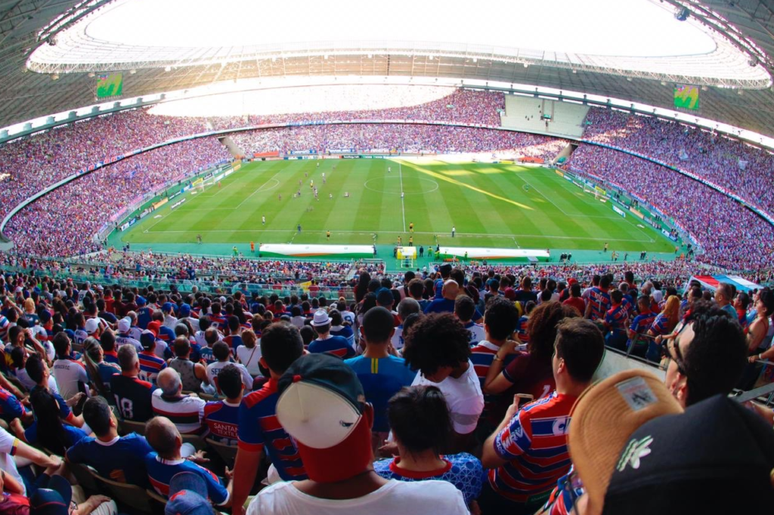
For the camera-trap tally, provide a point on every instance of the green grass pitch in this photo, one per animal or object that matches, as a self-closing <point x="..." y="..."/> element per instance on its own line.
<point x="491" y="205"/>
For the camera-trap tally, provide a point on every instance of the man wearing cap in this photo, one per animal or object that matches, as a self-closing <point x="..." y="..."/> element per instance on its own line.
<point x="259" y="430"/>
<point x="656" y="459"/>
<point x="438" y="347"/>
<point x="150" y="363"/>
<point x="123" y="337"/>
<point x="144" y="313"/>
<point x="445" y="304"/>
<point x="325" y="342"/>
<point x="381" y="374"/>
<point x="164" y="335"/>
<point x="70" y="374"/>
<point x="322" y="405"/>
<point x="133" y="396"/>
<point x="185" y="411"/>
<point x="186" y="318"/>
<point x="169" y="315"/>
<point x="116" y="458"/>
<point x="527" y="453"/>
<point x="166" y="462"/>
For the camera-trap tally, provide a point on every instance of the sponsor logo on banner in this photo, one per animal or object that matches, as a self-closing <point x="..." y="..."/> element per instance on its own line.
<point x="619" y="211"/>
<point x="178" y="203"/>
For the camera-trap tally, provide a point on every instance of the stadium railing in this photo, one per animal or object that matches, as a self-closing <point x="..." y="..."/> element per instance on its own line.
<point x="186" y="285"/>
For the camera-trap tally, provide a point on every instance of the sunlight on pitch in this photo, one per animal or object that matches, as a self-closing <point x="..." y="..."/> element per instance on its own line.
<point x="468" y="186"/>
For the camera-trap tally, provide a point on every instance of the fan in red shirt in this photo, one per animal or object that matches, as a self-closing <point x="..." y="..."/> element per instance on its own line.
<point x="575" y="300"/>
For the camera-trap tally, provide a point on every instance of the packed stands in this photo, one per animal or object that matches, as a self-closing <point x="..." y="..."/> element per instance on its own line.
<point x="740" y="168"/>
<point x="732" y="236"/>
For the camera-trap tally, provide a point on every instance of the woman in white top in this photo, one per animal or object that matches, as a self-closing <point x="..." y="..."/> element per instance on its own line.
<point x="250" y="352"/>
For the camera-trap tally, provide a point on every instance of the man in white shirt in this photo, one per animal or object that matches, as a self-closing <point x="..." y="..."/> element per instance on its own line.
<point x="438" y="346"/>
<point x="221" y="352"/>
<point x="321" y="406"/>
<point x="70" y="374"/>
<point x="185" y="411"/>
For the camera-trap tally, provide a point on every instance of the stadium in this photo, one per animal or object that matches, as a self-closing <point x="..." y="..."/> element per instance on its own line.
<point x="502" y="217"/>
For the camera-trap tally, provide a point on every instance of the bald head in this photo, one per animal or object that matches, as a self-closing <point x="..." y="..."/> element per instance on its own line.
<point x="169" y="382"/>
<point x="164" y="437"/>
<point x="450" y="290"/>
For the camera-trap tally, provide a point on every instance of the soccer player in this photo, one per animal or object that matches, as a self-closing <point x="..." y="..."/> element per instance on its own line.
<point x="389" y="169"/>
<point x="263" y="220"/>
<point x="411" y="227"/>
<point x="328" y="235"/>
<point x="199" y="239"/>
<point x="454" y="230"/>
<point x="299" y="228"/>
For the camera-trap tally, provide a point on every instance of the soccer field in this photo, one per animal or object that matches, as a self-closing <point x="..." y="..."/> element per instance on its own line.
<point x="490" y="205"/>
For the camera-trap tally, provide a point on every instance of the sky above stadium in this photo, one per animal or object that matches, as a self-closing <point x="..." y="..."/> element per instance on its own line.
<point x="636" y="28"/>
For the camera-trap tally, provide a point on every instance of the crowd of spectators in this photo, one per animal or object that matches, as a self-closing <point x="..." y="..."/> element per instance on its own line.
<point x="65" y="221"/>
<point x="454" y="391"/>
<point x="739" y="168"/>
<point x="398" y="138"/>
<point x="731" y="235"/>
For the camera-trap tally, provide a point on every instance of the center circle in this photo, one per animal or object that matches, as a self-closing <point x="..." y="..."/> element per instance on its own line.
<point x="392" y="185"/>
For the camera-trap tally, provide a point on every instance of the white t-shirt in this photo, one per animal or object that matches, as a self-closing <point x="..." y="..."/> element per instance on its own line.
<point x="68" y="374"/>
<point x="7" y="463"/>
<point x="394" y="498"/>
<point x="29" y="384"/>
<point x="214" y="368"/>
<point x="249" y="358"/>
<point x="464" y="397"/>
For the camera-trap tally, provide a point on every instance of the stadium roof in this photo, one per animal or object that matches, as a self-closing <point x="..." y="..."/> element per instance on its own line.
<point x="724" y="46"/>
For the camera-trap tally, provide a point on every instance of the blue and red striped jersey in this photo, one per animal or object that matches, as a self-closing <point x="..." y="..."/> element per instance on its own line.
<point x="535" y="445"/>
<point x="333" y="345"/>
<point x="616" y="318"/>
<point x="222" y="420"/>
<point x="600" y="303"/>
<point x="161" y="472"/>
<point x="259" y="428"/>
<point x="10" y="407"/>
<point x="150" y="366"/>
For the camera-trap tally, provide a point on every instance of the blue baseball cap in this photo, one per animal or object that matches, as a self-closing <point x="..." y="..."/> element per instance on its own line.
<point x="184" y="310"/>
<point x="54" y="499"/>
<point x="187" y="495"/>
<point x="168" y="306"/>
<point x="140" y="301"/>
